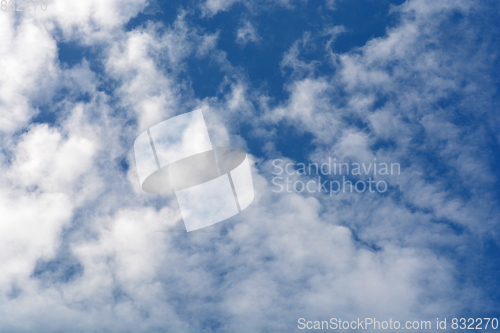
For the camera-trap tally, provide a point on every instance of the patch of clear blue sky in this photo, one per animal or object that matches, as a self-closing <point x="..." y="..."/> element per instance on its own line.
<point x="278" y="28"/>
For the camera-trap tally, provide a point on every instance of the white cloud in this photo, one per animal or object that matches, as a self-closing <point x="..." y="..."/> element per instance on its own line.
<point x="212" y="7"/>
<point x="27" y="65"/>
<point x="306" y="44"/>
<point x="288" y="255"/>
<point x="215" y="6"/>
<point x="247" y="33"/>
<point x="48" y="161"/>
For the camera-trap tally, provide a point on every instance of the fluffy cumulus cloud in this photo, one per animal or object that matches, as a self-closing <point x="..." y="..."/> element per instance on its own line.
<point x="83" y="248"/>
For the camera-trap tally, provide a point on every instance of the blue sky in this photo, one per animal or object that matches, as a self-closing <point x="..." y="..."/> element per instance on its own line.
<point x="411" y="82"/>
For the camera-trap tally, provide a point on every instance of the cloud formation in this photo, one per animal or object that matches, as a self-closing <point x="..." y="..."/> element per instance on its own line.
<point x="84" y="249"/>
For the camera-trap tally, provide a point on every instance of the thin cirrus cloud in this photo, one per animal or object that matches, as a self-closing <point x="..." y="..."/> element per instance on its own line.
<point x="421" y="95"/>
<point x="247" y="33"/>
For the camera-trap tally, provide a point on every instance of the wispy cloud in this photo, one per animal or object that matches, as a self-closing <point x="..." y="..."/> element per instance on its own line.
<point x="247" y="33"/>
<point x="418" y="96"/>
